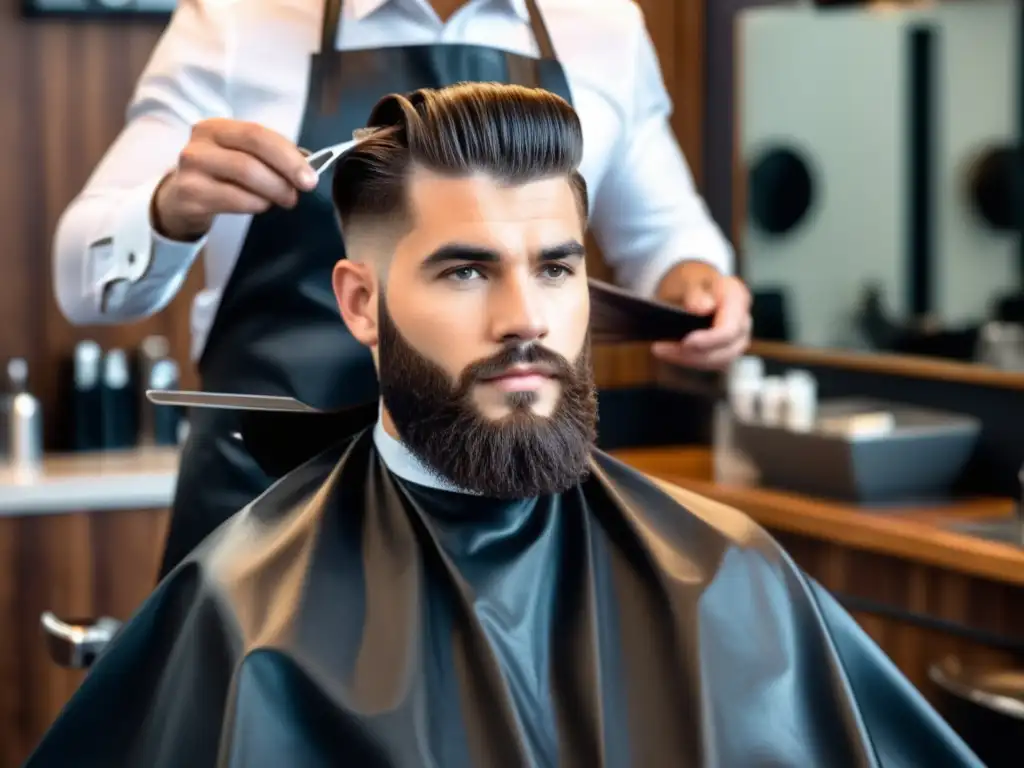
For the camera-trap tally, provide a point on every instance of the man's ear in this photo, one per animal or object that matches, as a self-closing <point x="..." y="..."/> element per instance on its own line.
<point x="355" y="288"/>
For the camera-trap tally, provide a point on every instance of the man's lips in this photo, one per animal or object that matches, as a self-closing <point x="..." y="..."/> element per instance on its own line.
<point x="520" y="377"/>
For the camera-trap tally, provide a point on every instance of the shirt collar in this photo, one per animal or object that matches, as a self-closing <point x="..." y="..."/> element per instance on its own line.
<point x="402" y="462"/>
<point x="363" y="8"/>
<point x="518" y="7"/>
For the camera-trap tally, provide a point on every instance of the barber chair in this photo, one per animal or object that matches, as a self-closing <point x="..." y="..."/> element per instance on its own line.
<point x="986" y="707"/>
<point x="76" y="643"/>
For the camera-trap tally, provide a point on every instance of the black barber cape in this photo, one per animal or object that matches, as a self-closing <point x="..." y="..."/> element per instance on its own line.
<point x="350" y="618"/>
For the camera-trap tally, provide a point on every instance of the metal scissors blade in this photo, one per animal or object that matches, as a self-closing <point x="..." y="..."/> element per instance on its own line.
<point x="227" y="401"/>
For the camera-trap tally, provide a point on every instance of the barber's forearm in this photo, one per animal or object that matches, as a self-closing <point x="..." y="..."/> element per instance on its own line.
<point x="109" y="266"/>
<point x="649" y="217"/>
<point x="643" y="275"/>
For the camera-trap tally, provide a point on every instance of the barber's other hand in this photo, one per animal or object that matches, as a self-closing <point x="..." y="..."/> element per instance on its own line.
<point x="228" y="166"/>
<point x="701" y="289"/>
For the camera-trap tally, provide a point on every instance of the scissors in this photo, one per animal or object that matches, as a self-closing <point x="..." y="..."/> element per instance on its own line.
<point x="324" y="158"/>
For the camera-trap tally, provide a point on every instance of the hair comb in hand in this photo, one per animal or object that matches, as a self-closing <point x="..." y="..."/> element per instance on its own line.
<point x="619" y="316"/>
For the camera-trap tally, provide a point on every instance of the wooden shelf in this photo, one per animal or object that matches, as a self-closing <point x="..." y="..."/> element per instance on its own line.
<point x="912" y="533"/>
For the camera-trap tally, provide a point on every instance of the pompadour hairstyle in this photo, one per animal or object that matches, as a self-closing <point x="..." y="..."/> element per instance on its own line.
<point x="514" y="134"/>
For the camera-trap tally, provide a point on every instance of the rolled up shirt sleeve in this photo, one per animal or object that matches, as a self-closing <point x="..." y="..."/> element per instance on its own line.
<point x="109" y="264"/>
<point x="648" y="215"/>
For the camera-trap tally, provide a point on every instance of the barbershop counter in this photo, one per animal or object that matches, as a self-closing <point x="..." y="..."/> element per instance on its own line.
<point x="918" y="534"/>
<point x="137" y="479"/>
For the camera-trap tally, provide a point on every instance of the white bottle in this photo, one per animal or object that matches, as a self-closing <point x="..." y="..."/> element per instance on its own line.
<point x="801" y="400"/>
<point x="25" y="420"/>
<point x="743" y="386"/>
<point x="773" y="401"/>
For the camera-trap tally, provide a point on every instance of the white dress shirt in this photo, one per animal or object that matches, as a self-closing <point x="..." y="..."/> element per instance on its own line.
<point x="249" y="60"/>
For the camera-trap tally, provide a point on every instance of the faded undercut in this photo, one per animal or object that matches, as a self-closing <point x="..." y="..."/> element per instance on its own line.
<point x="513" y="134"/>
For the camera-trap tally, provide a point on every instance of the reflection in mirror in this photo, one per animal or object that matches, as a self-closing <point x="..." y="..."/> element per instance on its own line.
<point x="879" y="150"/>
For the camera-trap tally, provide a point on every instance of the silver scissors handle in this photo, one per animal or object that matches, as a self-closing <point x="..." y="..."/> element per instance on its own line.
<point x="324" y="158"/>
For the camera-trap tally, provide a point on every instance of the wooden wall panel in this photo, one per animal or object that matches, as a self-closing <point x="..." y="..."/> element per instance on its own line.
<point x="66" y="85"/>
<point x="77" y="565"/>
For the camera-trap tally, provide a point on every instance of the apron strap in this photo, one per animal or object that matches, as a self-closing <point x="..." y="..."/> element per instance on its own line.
<point x="332" y="18"/>
<point x="329" y="24"/>
<point x="540" y="31"/>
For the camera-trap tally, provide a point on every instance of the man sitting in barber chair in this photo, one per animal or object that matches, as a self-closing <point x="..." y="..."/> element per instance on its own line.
<point x="455" y="575"/>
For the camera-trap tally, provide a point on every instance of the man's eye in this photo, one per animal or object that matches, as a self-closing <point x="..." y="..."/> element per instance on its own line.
<point x="462" y="274"/>
<point x="555" y="271"/>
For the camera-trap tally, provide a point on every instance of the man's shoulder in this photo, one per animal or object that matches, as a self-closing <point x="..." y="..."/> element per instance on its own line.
<point x="276" y="519"/>
<point x="695" y="541"/>
<point x="665" y="504"/>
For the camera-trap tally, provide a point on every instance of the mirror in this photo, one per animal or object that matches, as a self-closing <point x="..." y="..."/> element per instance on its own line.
<point x="878" y="147"/>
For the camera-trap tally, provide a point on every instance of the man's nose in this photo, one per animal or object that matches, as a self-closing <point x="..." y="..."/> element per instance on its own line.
<point x="518" y="312"/>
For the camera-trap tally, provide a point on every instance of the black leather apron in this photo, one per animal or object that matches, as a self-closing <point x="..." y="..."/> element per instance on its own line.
<point x="277" y="330"/>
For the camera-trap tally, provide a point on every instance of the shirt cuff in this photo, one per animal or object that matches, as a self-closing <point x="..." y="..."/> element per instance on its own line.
<point x="714" y="252"/>
<point x="137" y="259"/>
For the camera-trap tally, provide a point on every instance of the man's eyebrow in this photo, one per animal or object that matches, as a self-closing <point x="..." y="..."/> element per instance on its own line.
<point x="462" y="252"/>
<point x="566" y="250"/>
<point x="459" y="252"/>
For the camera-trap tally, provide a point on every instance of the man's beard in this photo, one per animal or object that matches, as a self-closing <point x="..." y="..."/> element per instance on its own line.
<point x="519" y="455"/>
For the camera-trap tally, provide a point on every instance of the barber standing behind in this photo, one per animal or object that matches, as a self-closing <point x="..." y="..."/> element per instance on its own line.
<point x="209" y="159"/>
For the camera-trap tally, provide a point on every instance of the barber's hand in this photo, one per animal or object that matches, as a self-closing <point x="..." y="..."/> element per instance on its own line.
<point x="228" y="166"/>
<point x="701" y="289"/>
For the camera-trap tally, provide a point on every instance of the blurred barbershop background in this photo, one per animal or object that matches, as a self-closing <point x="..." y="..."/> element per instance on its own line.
<point x="866" y="159"/>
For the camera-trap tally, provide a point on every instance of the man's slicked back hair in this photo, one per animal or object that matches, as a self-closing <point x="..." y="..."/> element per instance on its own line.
<point x="513" y="134"/>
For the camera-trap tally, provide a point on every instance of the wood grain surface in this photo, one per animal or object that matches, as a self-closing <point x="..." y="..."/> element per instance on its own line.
<point x="886" y="364"/>
<point x="66" y="86"/>
<point x="914" y="534"/>
<point x="77" y="565"/>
